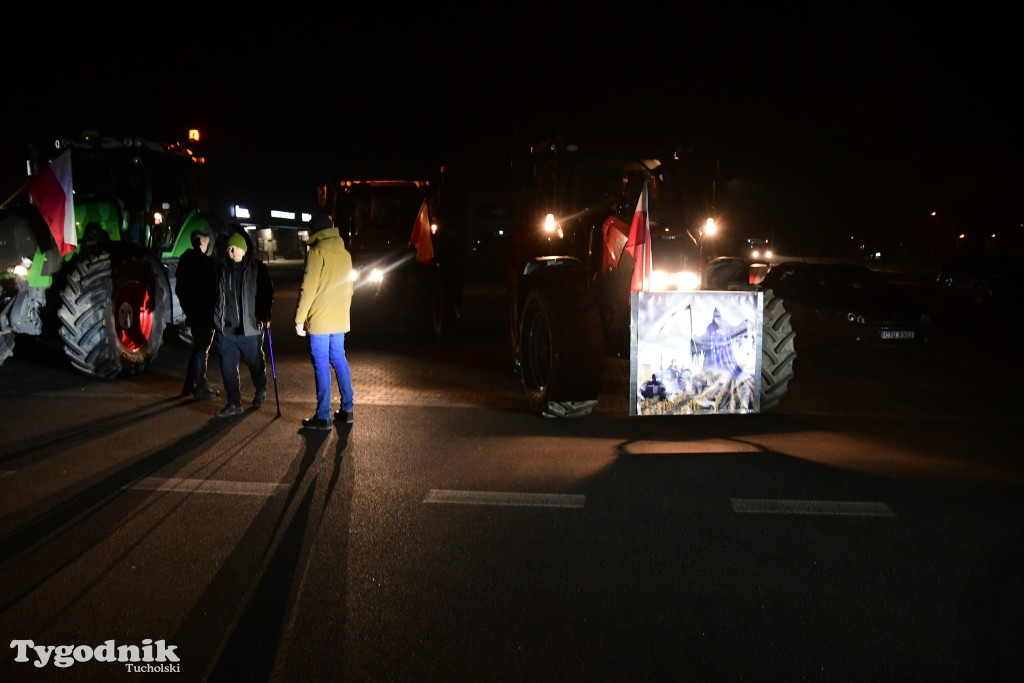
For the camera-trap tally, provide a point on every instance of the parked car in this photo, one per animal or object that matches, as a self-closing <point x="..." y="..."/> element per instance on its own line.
<point x="981" y="280"/>
<point x="837" y="304"/>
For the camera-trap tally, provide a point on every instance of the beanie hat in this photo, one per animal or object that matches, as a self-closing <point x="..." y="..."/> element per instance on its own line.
<point x="237" y="240"/>
<point x="321" y="221"/>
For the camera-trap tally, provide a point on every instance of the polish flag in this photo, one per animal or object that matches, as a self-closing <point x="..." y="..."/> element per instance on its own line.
<point x="51" y="192"/>
<point x="420" y="237"/>
<point x="639" y="246"/>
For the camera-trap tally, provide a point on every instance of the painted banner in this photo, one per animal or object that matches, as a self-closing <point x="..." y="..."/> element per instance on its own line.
<point x="695" y="353"/>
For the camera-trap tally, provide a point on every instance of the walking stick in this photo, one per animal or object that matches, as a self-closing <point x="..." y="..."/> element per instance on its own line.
<point x="273" y="370"/>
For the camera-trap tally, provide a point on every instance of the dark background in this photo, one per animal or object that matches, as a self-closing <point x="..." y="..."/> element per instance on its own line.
<point x="832" y="126"/>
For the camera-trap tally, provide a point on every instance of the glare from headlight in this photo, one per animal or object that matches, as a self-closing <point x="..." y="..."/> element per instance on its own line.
<point x="376" y="275"/>
<point x="21" y="268"/>
<point x="688" y="281"/>
<point x="682" y="281"/>
<point x="549" y="223"/>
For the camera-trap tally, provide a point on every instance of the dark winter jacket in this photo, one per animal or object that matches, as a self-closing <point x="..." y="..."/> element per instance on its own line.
<point x="195" y="286"/>
<point x="252" y="309"/>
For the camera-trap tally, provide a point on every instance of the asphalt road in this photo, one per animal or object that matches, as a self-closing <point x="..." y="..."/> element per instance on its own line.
<point x="871" y="529"/>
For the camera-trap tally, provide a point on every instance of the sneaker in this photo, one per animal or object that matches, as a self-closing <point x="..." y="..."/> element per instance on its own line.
<point x="259" y="398"/>
<point x="345" y="416"/>
<point x="230" y="410"/>
<point x="206" y="393"/>
<point x="316" y="423"/>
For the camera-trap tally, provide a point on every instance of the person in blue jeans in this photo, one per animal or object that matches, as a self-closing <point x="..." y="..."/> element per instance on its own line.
<point x="323" y="313"/>
<point x="241" y="315"/>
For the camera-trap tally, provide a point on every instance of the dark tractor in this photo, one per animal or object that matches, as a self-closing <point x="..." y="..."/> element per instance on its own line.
<point x="569" y="277"/>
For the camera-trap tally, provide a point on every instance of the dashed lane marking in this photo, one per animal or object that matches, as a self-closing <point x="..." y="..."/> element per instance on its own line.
<point x="236" y="488"/>
<point x="553" y="500"/>
<point x="811" y="507"/>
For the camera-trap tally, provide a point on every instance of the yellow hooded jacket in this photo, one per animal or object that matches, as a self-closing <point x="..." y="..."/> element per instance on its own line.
<point x="325" y="296"/>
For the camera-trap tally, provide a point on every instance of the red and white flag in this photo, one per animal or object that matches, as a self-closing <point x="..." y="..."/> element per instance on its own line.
<point x="420" y="237"/>
<point x="51" y="192"/>
<point x="638" y="244"/>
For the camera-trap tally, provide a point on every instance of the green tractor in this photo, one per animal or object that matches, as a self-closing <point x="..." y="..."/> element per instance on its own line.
<point x="110" y="300"/>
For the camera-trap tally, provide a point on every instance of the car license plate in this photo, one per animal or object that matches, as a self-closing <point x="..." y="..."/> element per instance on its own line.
<point x="897" y="334"/>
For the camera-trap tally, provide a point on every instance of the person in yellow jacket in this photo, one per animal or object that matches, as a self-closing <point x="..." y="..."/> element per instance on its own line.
<point x="323" y="313"/>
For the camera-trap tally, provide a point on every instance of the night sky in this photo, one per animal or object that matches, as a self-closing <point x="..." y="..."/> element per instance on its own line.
<point x="826" y="121"/>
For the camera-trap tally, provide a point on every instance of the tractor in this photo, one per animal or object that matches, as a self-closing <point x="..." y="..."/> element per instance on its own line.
<point x="572" y="299"/>
<point x="109" y="300"/>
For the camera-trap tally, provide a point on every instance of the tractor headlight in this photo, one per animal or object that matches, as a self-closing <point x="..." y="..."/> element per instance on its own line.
<point x="21" y="268"/>
<point x="552" y="227"/>
<point x="682" y="281"/>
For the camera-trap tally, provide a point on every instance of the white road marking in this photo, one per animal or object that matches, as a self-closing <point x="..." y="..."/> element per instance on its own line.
<point x="555" y="500"/>
<point x="235" y="488"/>
<point x="811" y="507"/>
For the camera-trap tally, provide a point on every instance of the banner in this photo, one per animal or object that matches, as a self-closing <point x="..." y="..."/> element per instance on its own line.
<point x="695" y="353"/>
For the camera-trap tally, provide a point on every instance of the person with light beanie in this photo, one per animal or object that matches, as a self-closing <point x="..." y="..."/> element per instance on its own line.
<point x="241" y="314"/>
<point x="323" y="313"/>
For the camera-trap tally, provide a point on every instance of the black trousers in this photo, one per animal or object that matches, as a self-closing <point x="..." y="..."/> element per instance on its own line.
<point x="235" y="348"/>
<point x="198" y="361"/>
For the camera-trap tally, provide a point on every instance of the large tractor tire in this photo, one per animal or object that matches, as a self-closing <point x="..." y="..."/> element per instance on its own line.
<point x="434" y="307"/>
<point x="777" y="352"/>
<point x="113" y="313"/>
<point x="561" y="350"/>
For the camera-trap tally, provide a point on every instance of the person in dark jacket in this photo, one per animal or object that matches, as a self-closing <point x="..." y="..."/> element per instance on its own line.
<point x="241" y="314"/>
<point x="195" y="287"/>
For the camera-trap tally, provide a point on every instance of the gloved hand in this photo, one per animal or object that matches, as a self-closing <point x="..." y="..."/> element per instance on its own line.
<point x="300" y="329"/>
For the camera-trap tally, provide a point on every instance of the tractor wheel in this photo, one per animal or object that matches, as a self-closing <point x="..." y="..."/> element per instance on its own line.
<point x="561" y="350"/>
<point x="436" y="307"/>
<point x="424" y="318"/>
<point x="777" y="352"/>
<point x="112" y="317"/>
